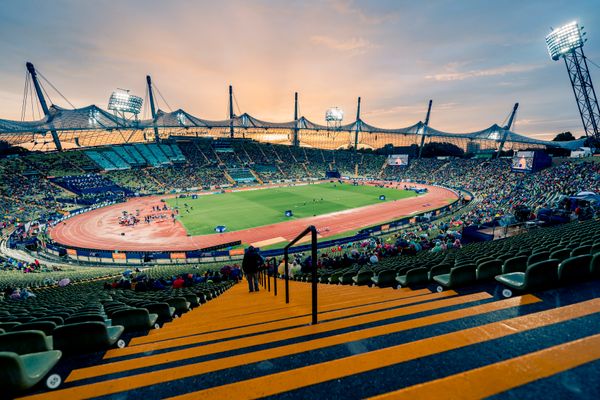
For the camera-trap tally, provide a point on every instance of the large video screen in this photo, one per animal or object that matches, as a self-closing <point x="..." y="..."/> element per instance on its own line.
<point x="397" y="159"/>
<point x="523" y="161"/>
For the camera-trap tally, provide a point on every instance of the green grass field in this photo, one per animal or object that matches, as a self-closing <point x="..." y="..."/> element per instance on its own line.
<point x="248" y="209"/>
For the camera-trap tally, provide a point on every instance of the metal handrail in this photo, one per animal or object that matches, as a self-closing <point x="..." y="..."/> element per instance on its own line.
<point x="313" y="231"/>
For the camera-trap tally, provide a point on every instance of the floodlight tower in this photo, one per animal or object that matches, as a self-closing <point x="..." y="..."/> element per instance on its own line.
<point x="43" y="104"/>
<point x="152" y="107"/>
<point x="567" y="42"/>
<point x="334" y="117"/>
<point x="125" y="105"/>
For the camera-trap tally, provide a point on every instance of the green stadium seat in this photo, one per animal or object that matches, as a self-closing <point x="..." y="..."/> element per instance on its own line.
<point x="385" y="278"/>
<point x="25" y="342"/>
<point x="413" y="277"/>
<point x="595" y="265"/>
<point x="515" y="264"/>
<point x="458" y="276"/>
<point x="574" y="269"/>
<point x="192" y="299"/>
<point x="539" y="275"/>
<point x="537" y="257"/>
<point x="346" y="278"/>
<point x="87" y="337"/>
<point x="163" y="310"/>
<point x="180" y="304"/>
<point x="8" y="326"/>
<point x="84" y="318"/>
<point x="560" y="254"/>
<point x="21" y="372"/>
<point x="489" y="270"/>
<point x="135" y="319"/>
<point x="362" y="278"/>
<point x="45" y="326"/>
<point x="581" y="250"/>
<point x="483" y="259"/>
<point x="334" y="278"/>
<point x="439" y="269"/>
<point x="22" y="318"/>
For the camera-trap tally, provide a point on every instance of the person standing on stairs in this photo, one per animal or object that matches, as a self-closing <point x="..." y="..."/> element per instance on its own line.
<point x="250" y="265"/>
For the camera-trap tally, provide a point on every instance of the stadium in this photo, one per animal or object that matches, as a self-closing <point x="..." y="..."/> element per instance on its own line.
<point x="381" y="263"/>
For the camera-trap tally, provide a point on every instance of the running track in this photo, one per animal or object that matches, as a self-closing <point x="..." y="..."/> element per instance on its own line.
<point x="99" y="229"/>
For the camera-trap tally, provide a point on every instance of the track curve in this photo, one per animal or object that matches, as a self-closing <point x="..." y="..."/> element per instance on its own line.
<point x="100" y="229"/>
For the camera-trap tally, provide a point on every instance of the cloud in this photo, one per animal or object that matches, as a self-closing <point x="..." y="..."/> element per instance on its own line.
<point x="551" y="121"/>
<point x="419" y="109"/>
<point x="353" y="45"/>
<point x="347" y="7"/>
<point x="477" y="73"/>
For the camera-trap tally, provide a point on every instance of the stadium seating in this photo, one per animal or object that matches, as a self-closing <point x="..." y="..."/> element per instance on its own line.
<point x="542" y="274"/>
<point x="134" y="319"/>
<point x="86" y="337"/>
<point x="21" y="372"/>
<point x="576" y="268"/>
<point x="26" y="342"/>
<point x="458" y="276"/>
<point x="385" y="278"/>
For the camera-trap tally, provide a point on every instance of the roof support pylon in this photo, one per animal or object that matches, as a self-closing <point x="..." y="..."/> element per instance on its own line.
<point x="425" y="128"/>
<point x="296" y="141"/>
<point x="358" y="123"/>
<point x="231" y="115"/>
<point x="507" y="128"/>
<point x="152" y="108"/>
<point x="43" y="104"/>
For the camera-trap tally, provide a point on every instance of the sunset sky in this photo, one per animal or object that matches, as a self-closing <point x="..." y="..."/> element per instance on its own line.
<point x="475" y="59"/>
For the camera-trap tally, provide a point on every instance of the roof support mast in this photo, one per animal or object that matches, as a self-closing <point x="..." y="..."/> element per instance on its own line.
<point x="152" y="108"/>
<point x="507" y="128"/>
<point x="42" y="100"/>
<point x="425" y="128"/>
<point x="231" y="115"/>
<point x="358" y="123"/>
<point x="296" y="142"/>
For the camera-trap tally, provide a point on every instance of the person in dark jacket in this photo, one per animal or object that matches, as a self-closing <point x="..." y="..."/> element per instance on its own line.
<point x="250" y="265"/>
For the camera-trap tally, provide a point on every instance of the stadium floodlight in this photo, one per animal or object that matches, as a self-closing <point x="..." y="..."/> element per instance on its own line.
<point x="121" y="101"/>
<point x="564" y="39"/>
<point x="567" y="43"/>
<point x="334" y="114"/>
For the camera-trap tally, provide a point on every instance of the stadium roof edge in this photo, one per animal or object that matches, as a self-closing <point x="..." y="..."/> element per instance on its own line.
<point x="93" y="117"/>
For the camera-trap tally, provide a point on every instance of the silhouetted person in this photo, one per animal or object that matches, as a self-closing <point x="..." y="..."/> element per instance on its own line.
<point x="250" y="264"/>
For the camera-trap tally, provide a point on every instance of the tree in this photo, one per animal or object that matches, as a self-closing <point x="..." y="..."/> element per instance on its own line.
<point x="564" y="137"/>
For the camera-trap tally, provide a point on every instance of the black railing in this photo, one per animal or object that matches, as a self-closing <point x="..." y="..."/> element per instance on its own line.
<point x="313" y="231"/>
<point x="265" y="274"/>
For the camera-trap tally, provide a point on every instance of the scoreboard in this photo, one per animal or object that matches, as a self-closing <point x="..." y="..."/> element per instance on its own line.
<point x="397" y="159"/>
<point x="523" y="161"/>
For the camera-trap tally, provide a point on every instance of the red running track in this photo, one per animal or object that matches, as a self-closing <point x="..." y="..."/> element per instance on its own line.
<point x="100" y="229"/>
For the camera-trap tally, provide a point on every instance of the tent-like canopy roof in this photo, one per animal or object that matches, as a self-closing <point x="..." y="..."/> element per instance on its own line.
<point x="94" y="118"/>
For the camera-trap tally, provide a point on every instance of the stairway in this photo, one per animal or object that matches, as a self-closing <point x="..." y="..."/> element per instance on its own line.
<point x="369" y="342"/>
<point x="382" y="169"/>
<point x="228" y="177"/>
<point x="256" y="176"/>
